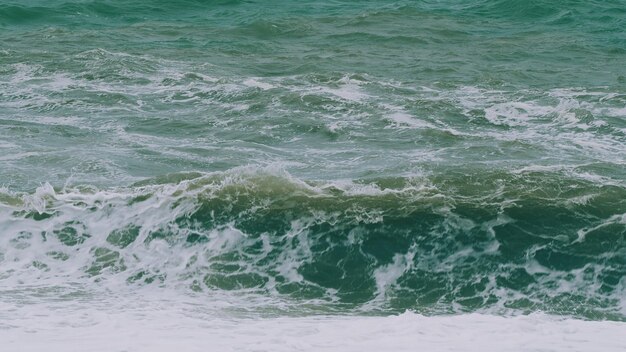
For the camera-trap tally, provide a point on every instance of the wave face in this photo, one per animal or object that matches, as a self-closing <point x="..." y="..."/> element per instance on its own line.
<point x="342" y="157"/>
<point x="434" y="245"/>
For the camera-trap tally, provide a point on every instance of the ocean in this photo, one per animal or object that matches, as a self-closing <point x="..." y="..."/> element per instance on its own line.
<point x="321" y="175"/>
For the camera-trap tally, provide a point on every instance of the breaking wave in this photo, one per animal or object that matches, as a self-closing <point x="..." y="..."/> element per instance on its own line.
<point x="515" y="242"/>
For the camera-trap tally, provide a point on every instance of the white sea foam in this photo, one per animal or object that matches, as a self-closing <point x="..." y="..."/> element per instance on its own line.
<point x="387" y="275"/>
<point x="153" y="323"/>
<point x="402" y="119"/>
<point x="252" y="82"/>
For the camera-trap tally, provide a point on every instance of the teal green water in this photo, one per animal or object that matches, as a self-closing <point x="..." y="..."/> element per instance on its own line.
<point x="362" y="156"/>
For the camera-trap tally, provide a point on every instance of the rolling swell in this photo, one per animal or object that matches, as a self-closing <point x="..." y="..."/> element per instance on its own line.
<point x="490" y="241"/>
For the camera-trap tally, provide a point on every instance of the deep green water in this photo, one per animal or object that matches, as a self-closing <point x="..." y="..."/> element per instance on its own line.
<point x="360" y="156"/>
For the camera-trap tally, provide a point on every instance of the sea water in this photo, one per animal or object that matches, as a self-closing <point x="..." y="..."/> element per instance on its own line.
<point x="312" y="175"/>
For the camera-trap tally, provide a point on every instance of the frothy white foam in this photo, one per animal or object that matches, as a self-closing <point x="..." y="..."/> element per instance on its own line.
<point x="252" y="82"/>
<point x="162" y="324"/>
<point x="402" y="119"/>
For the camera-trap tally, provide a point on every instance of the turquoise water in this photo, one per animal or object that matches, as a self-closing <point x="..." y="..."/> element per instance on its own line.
<point x="365" y="157"/>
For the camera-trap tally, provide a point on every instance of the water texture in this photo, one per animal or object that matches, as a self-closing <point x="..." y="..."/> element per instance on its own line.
<point x="317" y="157"/>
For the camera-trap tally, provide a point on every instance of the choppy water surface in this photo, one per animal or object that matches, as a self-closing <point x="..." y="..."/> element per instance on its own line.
<point x="335" y="157"/>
